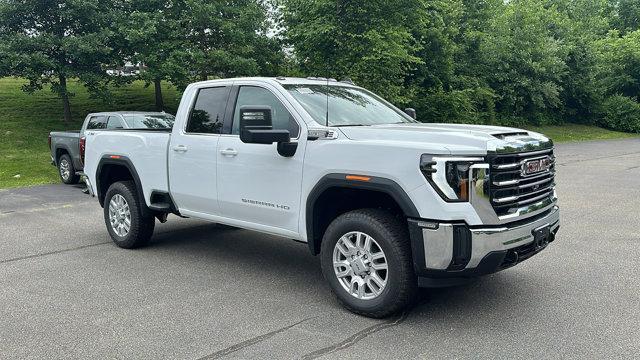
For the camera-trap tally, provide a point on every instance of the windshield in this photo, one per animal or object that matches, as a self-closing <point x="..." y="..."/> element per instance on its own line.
<point x="347" y="106"/>
<point x="149" y="121"/>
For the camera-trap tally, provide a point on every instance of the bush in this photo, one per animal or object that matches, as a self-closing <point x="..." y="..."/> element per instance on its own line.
<point x="621" y="113"/>
<point x="472" y="106"/>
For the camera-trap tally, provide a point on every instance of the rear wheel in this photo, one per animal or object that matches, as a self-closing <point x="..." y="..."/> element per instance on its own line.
<point x="366" y="258"/>
<point x="66" y="170"/>
<point x="126" y="224"/>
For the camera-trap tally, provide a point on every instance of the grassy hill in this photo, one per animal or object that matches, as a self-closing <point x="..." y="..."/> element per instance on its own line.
<point x="26" y="120"/>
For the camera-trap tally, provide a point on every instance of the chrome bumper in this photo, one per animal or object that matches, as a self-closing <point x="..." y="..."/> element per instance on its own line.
<point x="437" y="240"/>
<point x="488" y="240"/>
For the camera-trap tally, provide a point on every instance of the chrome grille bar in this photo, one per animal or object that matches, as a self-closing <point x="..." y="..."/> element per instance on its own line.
<point x="511" y="189"/>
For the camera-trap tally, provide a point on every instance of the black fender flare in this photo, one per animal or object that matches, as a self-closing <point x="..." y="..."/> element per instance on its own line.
<point x="340" y="180"/>
<point x="127" y="163"/>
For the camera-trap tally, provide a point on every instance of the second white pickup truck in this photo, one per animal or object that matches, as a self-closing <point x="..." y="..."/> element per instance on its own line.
<point x="389" y="204"/>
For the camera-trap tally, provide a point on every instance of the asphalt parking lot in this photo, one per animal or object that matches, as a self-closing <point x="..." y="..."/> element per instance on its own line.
<point x="201" y="291"/>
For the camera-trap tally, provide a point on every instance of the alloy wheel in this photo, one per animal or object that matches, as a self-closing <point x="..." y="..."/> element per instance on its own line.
<point x="360" y="265"/>
<point x="119" y="215"/>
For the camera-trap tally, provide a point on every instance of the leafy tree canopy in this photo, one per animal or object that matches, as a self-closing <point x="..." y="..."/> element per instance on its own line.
<point x="48" y="42"/>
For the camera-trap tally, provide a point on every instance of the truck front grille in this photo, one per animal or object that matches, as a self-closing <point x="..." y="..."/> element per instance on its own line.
<point x="511" y="189"/>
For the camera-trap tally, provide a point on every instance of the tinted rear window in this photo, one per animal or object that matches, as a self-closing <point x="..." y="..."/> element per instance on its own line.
<point x="207" y="115"/>
<point x="97" y="122"/>
<point x="149" y="121"/>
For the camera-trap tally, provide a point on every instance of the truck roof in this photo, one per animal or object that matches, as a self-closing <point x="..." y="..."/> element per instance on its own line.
<point x="128" y="113"/>
<point x="286" y="80"/>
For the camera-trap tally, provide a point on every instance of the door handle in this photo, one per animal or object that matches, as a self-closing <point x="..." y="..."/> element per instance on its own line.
<point x="180" y="148"/>
<point x="229" y="152"/>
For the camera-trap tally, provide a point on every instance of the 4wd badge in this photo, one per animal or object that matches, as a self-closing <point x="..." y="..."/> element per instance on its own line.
<point x="532" y="167"/>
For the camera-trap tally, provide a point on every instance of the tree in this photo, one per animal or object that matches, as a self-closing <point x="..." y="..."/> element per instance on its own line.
<point x="619" y="64"/>
<point x="182" y="40"/>
<point x="524" y="59"/>
<point x="366" y="41"/>
<point x="584" y="22"/>
<point x="49" y="42"/>
<point x="226" y="38"/>
<point x="626" y="15"/>
<point x="152" y="34"/>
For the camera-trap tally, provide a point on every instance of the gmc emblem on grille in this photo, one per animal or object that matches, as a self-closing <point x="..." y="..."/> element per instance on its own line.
<point x="531" y="167"/>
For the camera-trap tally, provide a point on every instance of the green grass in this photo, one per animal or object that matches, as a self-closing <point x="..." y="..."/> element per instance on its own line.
<point x="575" y="132"/>
<point x="26" y="120"/>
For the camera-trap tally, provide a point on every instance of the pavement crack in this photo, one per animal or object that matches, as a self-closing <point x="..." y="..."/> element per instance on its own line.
<point x="34" y="210"/>
<point x="252" y="341"/>
<point x="51" y="252"/>
<point x="597" y="158"/>
<point x="355" y="338"/>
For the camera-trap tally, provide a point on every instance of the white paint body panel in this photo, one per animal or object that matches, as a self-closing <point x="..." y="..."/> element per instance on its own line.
<point x="147" y="150"/>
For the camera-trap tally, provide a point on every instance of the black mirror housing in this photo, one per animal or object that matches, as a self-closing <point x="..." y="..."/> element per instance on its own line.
<point x="263" y="135"/>
<point x="256" y="126"/>
<point x="411" y="112"/>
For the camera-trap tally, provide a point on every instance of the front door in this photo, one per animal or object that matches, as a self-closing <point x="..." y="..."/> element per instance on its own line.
<point x="192" y="153"/>
<point x="255" y="184"/>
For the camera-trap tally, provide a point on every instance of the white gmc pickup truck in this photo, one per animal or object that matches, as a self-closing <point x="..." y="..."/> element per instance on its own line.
<point x="388" y="203"/>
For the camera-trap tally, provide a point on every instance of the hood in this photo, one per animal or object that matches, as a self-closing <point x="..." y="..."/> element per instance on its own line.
<point x="456" y="138"/>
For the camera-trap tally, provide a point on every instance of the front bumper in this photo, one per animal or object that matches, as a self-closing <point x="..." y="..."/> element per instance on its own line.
<point x="449" y="253"/>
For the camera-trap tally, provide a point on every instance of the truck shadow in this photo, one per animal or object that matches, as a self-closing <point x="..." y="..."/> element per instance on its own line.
<point x="252" y="254"/>
<point x="290" y="264"/>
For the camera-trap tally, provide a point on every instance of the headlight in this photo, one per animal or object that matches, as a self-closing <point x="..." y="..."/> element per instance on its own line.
<point x="449" y="176"/>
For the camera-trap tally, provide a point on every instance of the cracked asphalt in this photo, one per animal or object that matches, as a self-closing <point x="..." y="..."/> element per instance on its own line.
<point x="205" y="292"/>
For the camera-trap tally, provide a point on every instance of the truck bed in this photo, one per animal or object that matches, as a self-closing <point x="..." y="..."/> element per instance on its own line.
<point x="146" y="150"/>
<point x="66" y="142"/>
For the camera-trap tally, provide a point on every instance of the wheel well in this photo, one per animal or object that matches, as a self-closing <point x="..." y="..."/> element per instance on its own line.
<point x="109" y="174"/>
<point x="59" y="153"/>
<point x="336" y="201"/>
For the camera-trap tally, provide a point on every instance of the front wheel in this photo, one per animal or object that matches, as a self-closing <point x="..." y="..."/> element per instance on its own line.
<point x="366" y="258"/>
<point x="126" y="224"/>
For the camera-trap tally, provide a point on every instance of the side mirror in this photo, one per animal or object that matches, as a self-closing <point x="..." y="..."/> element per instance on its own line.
<point x="411" y="112"/>
<point x="256" y="126"/>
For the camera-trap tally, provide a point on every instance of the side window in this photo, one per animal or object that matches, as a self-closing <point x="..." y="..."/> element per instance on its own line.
<point x="114" y="122"/>
<point x="97" y="122"/>
<point x="252" y="95"/>
<point x="207" y="115"/>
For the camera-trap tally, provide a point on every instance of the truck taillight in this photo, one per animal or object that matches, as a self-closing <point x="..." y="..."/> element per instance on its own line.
<point x="49" y="141"/>
<point x="83" y="142"/>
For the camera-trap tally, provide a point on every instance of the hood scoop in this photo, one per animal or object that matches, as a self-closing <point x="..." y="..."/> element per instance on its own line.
<point x="503" y="136"/>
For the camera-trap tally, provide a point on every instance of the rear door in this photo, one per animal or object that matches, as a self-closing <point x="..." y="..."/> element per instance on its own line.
<point x="192" y="152"/>
<point x="256" y="185"/>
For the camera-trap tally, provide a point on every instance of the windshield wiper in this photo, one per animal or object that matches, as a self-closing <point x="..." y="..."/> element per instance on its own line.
<point x="345" y="125"/>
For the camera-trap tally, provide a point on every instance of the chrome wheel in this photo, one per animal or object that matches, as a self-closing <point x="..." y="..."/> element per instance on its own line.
<point x="119" y="215"/>
<point x="360" y="265"/>
<point x="65" y="169"/>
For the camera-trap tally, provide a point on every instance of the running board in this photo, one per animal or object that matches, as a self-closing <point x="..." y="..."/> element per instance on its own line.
<point x="162" y="207"/>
